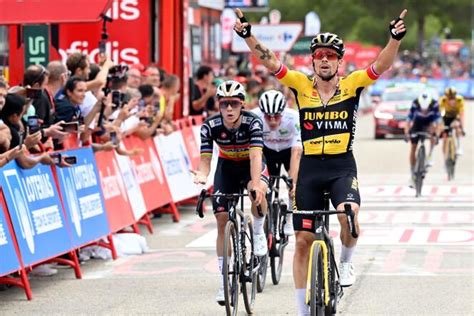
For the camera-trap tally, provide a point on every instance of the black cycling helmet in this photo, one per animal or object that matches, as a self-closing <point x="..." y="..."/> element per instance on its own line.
<point x="329" y="40"/>
<point x="450" y="91"/>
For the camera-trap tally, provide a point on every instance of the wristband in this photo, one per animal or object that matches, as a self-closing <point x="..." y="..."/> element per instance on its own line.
<point x="393" y="32"/>
<point x="245" y="33"/>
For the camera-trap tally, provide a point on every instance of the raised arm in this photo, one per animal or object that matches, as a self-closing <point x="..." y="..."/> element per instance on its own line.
<point x="387" y="56"/>
<point x="265" y="55"/>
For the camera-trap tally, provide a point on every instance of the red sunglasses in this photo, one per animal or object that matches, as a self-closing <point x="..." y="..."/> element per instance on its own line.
<point x="330" y="55"/>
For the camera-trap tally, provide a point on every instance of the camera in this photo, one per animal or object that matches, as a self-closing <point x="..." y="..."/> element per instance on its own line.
<point x="33" y="124"/>
<point x="119" y="99"/>
<point x="116" y="77"/>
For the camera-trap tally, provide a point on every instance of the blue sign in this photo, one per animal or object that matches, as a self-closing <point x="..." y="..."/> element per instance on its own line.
<point x="35" y="211"/>
<point x="82" y="197"/>
<point x="8" y="257"/>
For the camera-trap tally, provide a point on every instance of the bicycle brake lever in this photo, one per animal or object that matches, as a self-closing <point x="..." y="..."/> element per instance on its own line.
<point x="253" y="193"/>
<point x="350" y="218"/>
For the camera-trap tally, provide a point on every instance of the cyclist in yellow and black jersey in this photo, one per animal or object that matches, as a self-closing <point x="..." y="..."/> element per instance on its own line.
<point x="328" y="110"/>
<point x="451" y="106"/>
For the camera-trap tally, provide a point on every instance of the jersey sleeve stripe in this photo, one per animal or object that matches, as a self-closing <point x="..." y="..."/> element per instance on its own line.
<point x="281" y="72"/>
<point x="371" y="73"/>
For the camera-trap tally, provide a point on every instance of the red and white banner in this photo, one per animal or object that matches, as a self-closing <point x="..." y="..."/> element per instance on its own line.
<point x="129" y="34"/>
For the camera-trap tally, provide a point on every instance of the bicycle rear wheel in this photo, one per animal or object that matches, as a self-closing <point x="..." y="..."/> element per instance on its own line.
<point x="230" y="269"/>
<point x="248" y="273"/>
<point x="262" y="270"/>
<point x="280" y="242"/>
<point x="315" y="273"/>
<point x="420" y="170"/>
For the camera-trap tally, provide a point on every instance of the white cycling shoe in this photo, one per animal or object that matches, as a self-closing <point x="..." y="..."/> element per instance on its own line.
<point x="288" y="227"/>
<point x="347" y="276"/>
<point x="260" y="246"/>
<point x="220" y="297"/>
<point x="459" y="151"/>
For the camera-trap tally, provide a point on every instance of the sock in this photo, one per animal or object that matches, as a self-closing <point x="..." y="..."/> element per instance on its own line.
<point x="301" y="306"/>
<point x="458" y="142"/>
<point x="412" y="168"/>
<point x="258" y="225"/>
<point x="346" y="253"/>
<point x="220" y="261"/>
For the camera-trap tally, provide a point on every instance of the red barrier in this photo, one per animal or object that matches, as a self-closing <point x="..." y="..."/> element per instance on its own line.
<point x="190" y="142"/>
<point x="149" y="173"/>
<point x="119" y="211"/>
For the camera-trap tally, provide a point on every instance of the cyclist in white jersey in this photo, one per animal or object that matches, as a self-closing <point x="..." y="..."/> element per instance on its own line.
<point x="281" y="138"/>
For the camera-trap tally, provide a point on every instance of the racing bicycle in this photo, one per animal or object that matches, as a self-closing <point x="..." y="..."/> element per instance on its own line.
<point x="274" y="223"/>
<point x="323" y="290"/>
<point x="420" y="166"/>
<point x="240" y="266"/>
<point x="450" y="152"/>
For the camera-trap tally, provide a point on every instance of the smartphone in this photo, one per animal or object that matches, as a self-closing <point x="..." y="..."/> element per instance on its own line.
<point x="70" y="127"/>
<point x="34" y="94"/>
<point x="56" y="158"/>
<point x="116" y="98"/>
<point x="102" y="46"/>
<point x="113" y="138"/>
<point x="33" y="124"/>
<point x="72" y="160"/>
<point x="21" y="139"/>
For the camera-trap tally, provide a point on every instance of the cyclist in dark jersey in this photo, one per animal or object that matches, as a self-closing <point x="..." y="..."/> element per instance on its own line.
<point x="328" y="109"/>
<point x="238" y="134"/>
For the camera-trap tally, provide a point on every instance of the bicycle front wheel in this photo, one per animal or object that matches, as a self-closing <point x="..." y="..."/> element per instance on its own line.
<point x="248" y="273"/>
<point x="280" y="242"/>
<point x="315" y="274"/>
<point x="451" y="158"/>
<point x="420" y="170"/>
<point x="262" y="270"/>
<point x="230" y="269"/>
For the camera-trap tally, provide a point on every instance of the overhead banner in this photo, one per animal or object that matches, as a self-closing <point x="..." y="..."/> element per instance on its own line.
<point x="36" y="41"/>
<point x="276" y="37"/>
<point x="177" y="166"/>
<point x="82" y="198"/>
<point x="8" y="258"/>
<point x="119" y="211"/>
<point x="130" y="18"/>
<point x="149" y="173"/>
<point x="135" y="196"/>
<point x="35" y="211"/>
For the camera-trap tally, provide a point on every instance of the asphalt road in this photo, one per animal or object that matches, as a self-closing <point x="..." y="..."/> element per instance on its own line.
<point x="415" y="255"/>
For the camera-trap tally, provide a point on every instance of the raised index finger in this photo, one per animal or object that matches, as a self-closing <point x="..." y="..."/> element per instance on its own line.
<point x="239" y="13"/>
<point x="404" y="12"/>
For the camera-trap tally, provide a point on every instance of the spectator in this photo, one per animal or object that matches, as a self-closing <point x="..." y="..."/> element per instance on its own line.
<point x="151" y="76"/>
<point x="203" y="92"/>
<point x="67" y="104"/>
<point x="146" y="91"/>
<point x="36" y="77"/>
<point x="134" y="78"/>
<point x="170" y="92"/>
<point x="3" y="93"/>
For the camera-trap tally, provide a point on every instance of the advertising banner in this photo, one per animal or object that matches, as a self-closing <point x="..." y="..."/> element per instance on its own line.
<point x="82" y="198"/>
<point x="35" y="211"/>
<point x="131" y="18"/>
<point x="177" y="166"/>
<point x="149" y="173"/>
<point x="117" y="205"/>
<point x="135" y="196"/>
<point x="191" y="145"/>
<point x="8" y="258"/>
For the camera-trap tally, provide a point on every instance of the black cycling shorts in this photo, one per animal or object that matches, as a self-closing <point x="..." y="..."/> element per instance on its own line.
<point x="275" y="158"/>
<point x="336" y="174"/>
<point x="417" y="128"/>
<point x="230" y="177"/>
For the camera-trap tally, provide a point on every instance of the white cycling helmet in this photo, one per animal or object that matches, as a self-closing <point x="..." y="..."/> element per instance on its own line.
<point x="272" y="102"/>
<point x="230" y="89"/>
<point x="424" y="100"/>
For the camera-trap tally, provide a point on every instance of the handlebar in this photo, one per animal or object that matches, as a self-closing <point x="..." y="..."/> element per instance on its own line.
<point x="288" y="181"/>
<point x="204" y="195"/>
<point x="348" y="211"/>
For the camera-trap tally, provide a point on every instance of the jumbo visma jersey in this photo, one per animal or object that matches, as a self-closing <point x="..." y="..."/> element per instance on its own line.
<point x="329" y="129"/>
